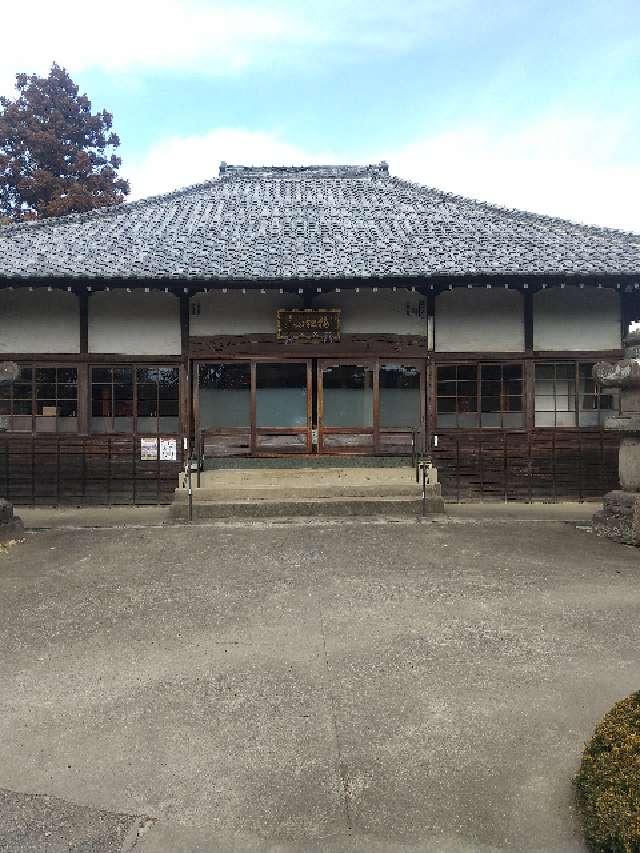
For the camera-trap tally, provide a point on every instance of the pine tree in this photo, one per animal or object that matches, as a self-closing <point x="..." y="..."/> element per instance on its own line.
<point x="53" y="151"/>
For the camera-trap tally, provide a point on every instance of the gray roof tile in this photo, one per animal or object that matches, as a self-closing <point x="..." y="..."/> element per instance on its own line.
<point x="310" y="222"/>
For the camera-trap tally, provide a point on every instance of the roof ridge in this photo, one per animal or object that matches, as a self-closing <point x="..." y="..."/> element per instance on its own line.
<point x="519" y="212"/>
<point x="369" y="170"/>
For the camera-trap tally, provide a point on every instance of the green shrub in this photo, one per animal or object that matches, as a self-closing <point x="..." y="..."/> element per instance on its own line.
<point x="608" y="784"/>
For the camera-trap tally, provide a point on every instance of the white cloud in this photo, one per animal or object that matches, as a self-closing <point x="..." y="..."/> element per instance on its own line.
<point x="207" y="36"/>
<point x="558" y="166"/>
<point x="562" y="166"/>
<point x="180" y="161"/>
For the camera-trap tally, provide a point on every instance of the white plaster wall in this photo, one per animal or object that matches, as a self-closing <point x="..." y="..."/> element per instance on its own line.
<point x="384" y="311"/>
<point x="572" y="318"/>
<point x="479" y="320"/>
<point x="235" y="313"/>
<point x="136" y="323"/>
<point x="39" y="321"/>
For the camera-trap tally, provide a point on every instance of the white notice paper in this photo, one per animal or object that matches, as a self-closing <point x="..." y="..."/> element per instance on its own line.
<point x="148" y="449"/>
<point x="168" y="450"/>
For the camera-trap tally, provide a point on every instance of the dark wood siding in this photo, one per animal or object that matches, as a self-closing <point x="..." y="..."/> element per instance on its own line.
<point x="55" y="470"/>
<point x="542" y="465"/>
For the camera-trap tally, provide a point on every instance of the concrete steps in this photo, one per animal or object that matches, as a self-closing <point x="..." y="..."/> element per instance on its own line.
<point x="278" y="492"/>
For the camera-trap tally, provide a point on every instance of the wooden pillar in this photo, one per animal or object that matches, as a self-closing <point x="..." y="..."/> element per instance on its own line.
<point x="431" y="318"/>
<point x="185" y="372"/>
<point x="629" y="310"/>
<point x="528" y="319"/>
<point x="83" y="366"/>
<point x="529" y="365"/>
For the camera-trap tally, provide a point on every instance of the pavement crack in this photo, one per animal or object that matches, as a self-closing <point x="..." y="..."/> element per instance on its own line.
<point x="342" y="770"/>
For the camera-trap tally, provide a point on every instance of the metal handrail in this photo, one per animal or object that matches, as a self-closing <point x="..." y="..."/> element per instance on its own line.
<point x="187" y="484"/>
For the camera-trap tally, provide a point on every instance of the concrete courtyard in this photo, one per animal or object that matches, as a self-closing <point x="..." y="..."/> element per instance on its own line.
<point x="307" y="687"/>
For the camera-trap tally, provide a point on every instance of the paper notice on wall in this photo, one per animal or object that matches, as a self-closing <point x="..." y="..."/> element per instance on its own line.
<point x="168" y="449"/>
<point x="148" y="449"/>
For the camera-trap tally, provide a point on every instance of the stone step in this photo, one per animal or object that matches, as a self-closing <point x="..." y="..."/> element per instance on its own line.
<point x="321" y="507"/>
<point x="279" y="491"/>
<point x="314" y="462"/>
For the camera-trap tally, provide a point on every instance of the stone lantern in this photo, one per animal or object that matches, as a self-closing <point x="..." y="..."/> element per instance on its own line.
<point x="10" y="525"/>
<point x="620" y="517"/>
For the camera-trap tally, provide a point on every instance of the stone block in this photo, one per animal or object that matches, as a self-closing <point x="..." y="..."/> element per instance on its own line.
<point x="10" y="525"/>
<point x="629" y="462"/>
<point x="619" y="519"/>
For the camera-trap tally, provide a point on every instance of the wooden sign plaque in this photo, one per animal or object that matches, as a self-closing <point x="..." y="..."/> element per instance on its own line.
<point x="308" y="324"/>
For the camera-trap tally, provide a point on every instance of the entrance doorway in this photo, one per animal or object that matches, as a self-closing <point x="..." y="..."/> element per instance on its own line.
<point x="268" y="407"/>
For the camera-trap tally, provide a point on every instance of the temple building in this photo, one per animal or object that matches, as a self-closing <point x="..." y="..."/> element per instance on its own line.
<point x="310" y="311"/>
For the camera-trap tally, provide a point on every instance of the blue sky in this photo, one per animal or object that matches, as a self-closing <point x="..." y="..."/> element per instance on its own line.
<point x="527" y="103"/>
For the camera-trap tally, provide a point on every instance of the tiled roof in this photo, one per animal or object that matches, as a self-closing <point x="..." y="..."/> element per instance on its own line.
<point x="310" y="222"/>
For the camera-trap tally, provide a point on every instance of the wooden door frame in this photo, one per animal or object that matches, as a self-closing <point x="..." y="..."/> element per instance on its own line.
<point x="321" y="363"/>
<point x="253" y="429"/>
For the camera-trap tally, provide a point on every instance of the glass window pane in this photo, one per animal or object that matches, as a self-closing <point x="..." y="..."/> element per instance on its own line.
<point x="490" y="404"/>
<point x="67" y="408"/>
<point x="146" y="391"/>
<point x="67" y="392"/>
<point x="169" y="408"/>
<point x="565" y="370"/>
<point x="512" y="371"/>
<point x="169" y="380"/>
<point x="43" y="391"/>
<point x="101" y="374"/>
<point x="101" y="406"/>
<point x="45" y="374"/>
<point x="21" y="424"/>
<point x="545" y="403"/>
<point x="399" y="396"/>
<point x="348" y="396"/>
<point x="468" y="389"/>
<point x="467" y="372"/>
<point x="467" y="404"/>
<point x="513" y="404"/>
<point x="122" y="424"/>
<point x="67" y="375"/>
<point x="446" y="404"/>
<point x="545" y="371"/>
<point x="281" y="395"/>
<point x="513" y="420"/>
<point x="22" y="407"/>
<point x="168" y="425"/>
<point x="491" y="372"/>
<point x="147" y="408"/>
<point x="565" y="419"/>
<point x="147" y="374"/>
<point x="446" y="421"/>
<point x="448" y="372"/>
<point x="225" y="396"/>
<point x="545" y="419"/>
<point x="22" y="391"/>
<point x="513" y="387"/>
<point x="123" y="375"/>
<point x="491" y="420"/>
<point x="147" y="424"/>
<point x="491" y="389"/>
<point x="467" y="421"/>
<point x="69" y="424"/>
<point x="447" y="389"/>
